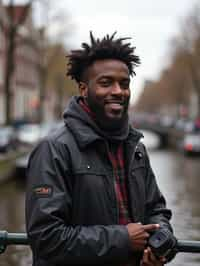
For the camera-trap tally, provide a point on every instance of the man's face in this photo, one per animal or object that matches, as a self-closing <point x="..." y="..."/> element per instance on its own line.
<point x="107" y="91"/>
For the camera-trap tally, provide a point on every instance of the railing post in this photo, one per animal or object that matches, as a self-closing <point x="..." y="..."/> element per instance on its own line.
<point x="3" y="236"/>
<point x="12" y="239"/>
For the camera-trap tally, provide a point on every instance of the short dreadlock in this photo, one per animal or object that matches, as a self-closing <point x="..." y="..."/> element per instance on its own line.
<point x="105" y="48"/>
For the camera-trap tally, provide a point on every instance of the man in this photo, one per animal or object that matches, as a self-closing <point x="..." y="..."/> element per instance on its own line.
<point x="92" y="198"/>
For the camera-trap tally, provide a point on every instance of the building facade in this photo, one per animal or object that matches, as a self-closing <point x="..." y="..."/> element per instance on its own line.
<point x="25" y="78"/>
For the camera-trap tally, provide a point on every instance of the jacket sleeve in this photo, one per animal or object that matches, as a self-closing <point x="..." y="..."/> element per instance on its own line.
<point x="48" y="208"/>
<point x="155" y="207"/>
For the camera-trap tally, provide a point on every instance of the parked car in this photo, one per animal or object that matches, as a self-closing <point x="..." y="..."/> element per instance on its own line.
<point x="189" y="126"/>
<point x="21" y="165"/>
<point x="29" y="134"/>
<point x="7" y="139"/>
<point x="167" y="121"/>
<point x="48" y="127"/>
<point x="191" y="143"/>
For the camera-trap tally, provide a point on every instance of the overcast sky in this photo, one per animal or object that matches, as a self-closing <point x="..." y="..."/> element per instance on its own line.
<point x="151" y="24"/>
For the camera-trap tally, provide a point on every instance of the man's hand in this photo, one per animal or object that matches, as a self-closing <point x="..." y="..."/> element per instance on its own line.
<point x="149" y="259"/>
<point x="139" y="235"/>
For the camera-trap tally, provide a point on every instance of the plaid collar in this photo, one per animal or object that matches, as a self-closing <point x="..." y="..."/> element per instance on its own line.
<point x="86" y="108"/>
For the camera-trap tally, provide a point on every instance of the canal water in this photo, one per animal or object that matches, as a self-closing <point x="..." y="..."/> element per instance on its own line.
<point x="178" y="177"/>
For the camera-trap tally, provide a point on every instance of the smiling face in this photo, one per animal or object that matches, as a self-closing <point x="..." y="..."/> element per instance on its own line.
<point x="107" y="91"/>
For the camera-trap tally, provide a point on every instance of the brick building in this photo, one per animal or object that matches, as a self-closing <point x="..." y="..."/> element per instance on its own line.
<point x="25" y="79"/>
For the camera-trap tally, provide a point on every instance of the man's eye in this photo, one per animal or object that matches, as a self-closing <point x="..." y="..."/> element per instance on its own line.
<point x="125" y="84"/>
<point x="105" y="83"/>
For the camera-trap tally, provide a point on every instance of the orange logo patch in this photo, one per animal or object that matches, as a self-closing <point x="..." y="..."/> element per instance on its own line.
<point x="43" y="191"/>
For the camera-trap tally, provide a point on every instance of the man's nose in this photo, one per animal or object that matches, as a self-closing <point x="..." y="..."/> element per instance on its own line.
<point x="116" y="89"/>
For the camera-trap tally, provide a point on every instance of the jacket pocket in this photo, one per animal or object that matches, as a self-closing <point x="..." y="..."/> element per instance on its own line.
<point x="92" y="204"/>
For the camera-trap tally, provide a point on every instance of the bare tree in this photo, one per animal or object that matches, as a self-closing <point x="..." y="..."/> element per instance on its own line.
<point x="51" y="48"/>
<point x="182" y="76"/>
<point x="187" y="45"/>
<point x="56" y="80"/>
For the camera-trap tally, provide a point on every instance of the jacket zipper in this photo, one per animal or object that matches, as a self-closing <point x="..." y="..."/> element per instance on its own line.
<point x="113" y="186"/>
<point x="129" y="176"/>
<point x="117" y="205"/>
<point x="132" y="158"/>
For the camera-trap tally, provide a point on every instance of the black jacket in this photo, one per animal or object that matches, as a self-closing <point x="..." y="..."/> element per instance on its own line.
<point x="71" y="207"/>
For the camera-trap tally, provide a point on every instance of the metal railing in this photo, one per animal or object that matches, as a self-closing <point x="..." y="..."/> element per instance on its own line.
<point x="12" y="239"/>
<point x="6" y="239"/>
<point x="188" y="246"/>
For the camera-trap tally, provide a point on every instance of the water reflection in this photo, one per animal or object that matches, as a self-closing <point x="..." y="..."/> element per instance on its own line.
<point x="178" y="177"/>
<point x="12" y="220"/>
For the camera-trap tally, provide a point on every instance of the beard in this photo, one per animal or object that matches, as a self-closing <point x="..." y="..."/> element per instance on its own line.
<point x="102" y="119"/>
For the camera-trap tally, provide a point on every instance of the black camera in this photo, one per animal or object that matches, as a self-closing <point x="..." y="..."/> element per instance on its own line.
<point x="163" y="244"/>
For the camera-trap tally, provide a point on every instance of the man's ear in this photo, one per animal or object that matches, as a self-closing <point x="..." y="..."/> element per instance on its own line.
<point x="83" y="88"/>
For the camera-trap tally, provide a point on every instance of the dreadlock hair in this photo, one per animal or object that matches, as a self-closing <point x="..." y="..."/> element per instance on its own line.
<point x="105" y="48"/>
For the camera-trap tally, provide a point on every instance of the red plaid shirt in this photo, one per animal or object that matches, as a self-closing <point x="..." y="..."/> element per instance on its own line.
<point x="116" y="156"/>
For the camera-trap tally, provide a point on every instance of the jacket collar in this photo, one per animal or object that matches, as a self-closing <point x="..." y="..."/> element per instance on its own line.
<point x="85" y="135"/>
<point x="79" y="123"/>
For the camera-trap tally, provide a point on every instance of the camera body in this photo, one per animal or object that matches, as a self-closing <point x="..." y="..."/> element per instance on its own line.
<point x="163" y="243"/>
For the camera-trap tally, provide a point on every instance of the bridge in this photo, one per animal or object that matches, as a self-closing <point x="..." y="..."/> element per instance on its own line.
<point x="169" y="136"/>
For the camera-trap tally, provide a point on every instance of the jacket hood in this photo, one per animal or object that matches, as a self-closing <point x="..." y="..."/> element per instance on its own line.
<point x="86" y="131"/>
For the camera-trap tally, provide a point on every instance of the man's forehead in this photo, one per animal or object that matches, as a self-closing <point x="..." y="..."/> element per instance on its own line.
<point x="109" y="67"/>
